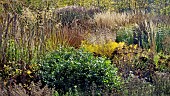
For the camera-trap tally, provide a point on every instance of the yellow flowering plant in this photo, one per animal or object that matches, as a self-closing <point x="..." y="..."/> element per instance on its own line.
<point x="102" y="49"/>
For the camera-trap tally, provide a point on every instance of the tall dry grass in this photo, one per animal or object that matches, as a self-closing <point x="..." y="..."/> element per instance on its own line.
<point x="112" y="20"/>
<point x="145" y="27"/>
<point x="24" y="38"/>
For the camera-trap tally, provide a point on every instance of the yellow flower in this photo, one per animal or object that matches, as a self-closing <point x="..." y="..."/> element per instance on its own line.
<point x="29" y="72"/>
<point x="121" y="44"/>
<point x="130" y="46"/>
<point x="149" y="50"/>
<point x="135" y="46"/>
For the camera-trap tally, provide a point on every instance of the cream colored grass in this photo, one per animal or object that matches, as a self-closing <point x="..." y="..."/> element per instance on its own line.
<point x="112" y="20"/>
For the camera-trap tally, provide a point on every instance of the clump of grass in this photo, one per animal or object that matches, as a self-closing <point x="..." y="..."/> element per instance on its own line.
<point x="112" y="20"/>
<point x="166" y="44"/>
<point x="100" y="36"/>
<point x="67" y="15"/>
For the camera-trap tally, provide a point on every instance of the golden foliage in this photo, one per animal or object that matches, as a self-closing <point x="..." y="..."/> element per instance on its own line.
<point x="102" y="49"/>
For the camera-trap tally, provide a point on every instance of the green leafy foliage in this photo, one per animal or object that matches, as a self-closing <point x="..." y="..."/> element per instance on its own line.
<point x="68" y="67"/>
<point x="161" y="39"/>
<point x="18" y="67"/>
<point x="162" y="62"/>
<point x="125" y="35"/>
<point x="13" y="55"/>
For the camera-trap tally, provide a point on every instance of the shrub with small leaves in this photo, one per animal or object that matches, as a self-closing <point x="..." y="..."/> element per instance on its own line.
<point x="69" y="67"/>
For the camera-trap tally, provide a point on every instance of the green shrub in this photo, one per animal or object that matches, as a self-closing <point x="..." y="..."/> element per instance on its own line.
<point x="162" y="62"/>
<point x="125" y="35"/>
<point x="161" y="39"/>
<point x="69" y="67"/>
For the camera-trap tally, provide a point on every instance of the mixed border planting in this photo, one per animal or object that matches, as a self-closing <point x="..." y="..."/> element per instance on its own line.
<point x="87" y="47"/>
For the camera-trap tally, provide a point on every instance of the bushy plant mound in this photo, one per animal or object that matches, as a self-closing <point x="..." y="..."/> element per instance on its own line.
<point x="67" y="15"/>
<point x="69" y="67"/>
<point x="162" y="62"/>
<point x="105" y="49"/>
<point x="135" y="59"/>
